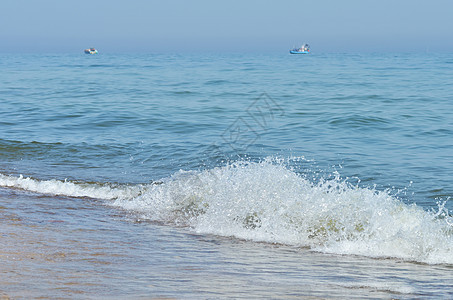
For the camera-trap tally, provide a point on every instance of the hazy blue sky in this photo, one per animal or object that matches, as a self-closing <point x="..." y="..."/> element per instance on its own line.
<point x="201" y="25"/>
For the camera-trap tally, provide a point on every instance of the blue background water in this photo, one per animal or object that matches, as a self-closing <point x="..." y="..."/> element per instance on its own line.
<point x="383" y="118"/>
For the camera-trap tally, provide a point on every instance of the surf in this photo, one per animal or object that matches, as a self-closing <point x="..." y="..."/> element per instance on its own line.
<point x="269" y="201"/>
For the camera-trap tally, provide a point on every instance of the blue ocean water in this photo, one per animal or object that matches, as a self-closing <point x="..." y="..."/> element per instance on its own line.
<point x="344" y="158"/>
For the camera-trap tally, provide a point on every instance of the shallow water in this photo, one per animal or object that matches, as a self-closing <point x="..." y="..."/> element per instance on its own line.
<point x="226" y="176"/>
<point x="62" y="248"/>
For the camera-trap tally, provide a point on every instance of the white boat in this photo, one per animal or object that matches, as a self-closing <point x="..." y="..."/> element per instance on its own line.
<point x="304" y="49"/>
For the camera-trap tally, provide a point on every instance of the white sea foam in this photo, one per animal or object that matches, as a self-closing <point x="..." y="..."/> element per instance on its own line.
<point x="269" y="202"/>
<point x="72" y="189"/>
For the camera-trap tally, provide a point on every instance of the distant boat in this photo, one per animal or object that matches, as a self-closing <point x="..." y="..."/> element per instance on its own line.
<point x="304" y="49"/>
<point x="91" y="51"/>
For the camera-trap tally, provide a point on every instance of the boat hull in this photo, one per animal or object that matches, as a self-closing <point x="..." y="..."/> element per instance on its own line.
<point x="298" y="52"/>
<point x="88" y="51"/>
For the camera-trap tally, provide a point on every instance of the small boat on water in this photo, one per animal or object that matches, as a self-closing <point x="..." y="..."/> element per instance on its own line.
<point x="304" y="49"/>
<point x="91" y="51"/>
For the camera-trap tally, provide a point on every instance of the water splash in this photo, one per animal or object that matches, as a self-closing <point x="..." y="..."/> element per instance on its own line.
<point x="268" y="202"/>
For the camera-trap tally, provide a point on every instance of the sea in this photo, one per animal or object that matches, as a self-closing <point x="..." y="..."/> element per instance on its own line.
<point x="226" y="176"/>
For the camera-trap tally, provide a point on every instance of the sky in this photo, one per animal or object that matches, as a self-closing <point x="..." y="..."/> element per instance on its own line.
<point x="225" y="26"/>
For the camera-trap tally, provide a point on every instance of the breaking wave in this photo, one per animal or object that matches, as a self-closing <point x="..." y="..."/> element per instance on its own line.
<point x="72" y="189"/>
<point x="269" y="202"/>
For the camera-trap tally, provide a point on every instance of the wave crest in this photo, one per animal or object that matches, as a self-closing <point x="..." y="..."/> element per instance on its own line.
<point x="269" y="202"/>
<point x="72" y="189"/>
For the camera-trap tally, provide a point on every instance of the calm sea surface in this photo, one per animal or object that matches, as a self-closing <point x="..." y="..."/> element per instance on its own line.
<point x="226" y="176"/>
